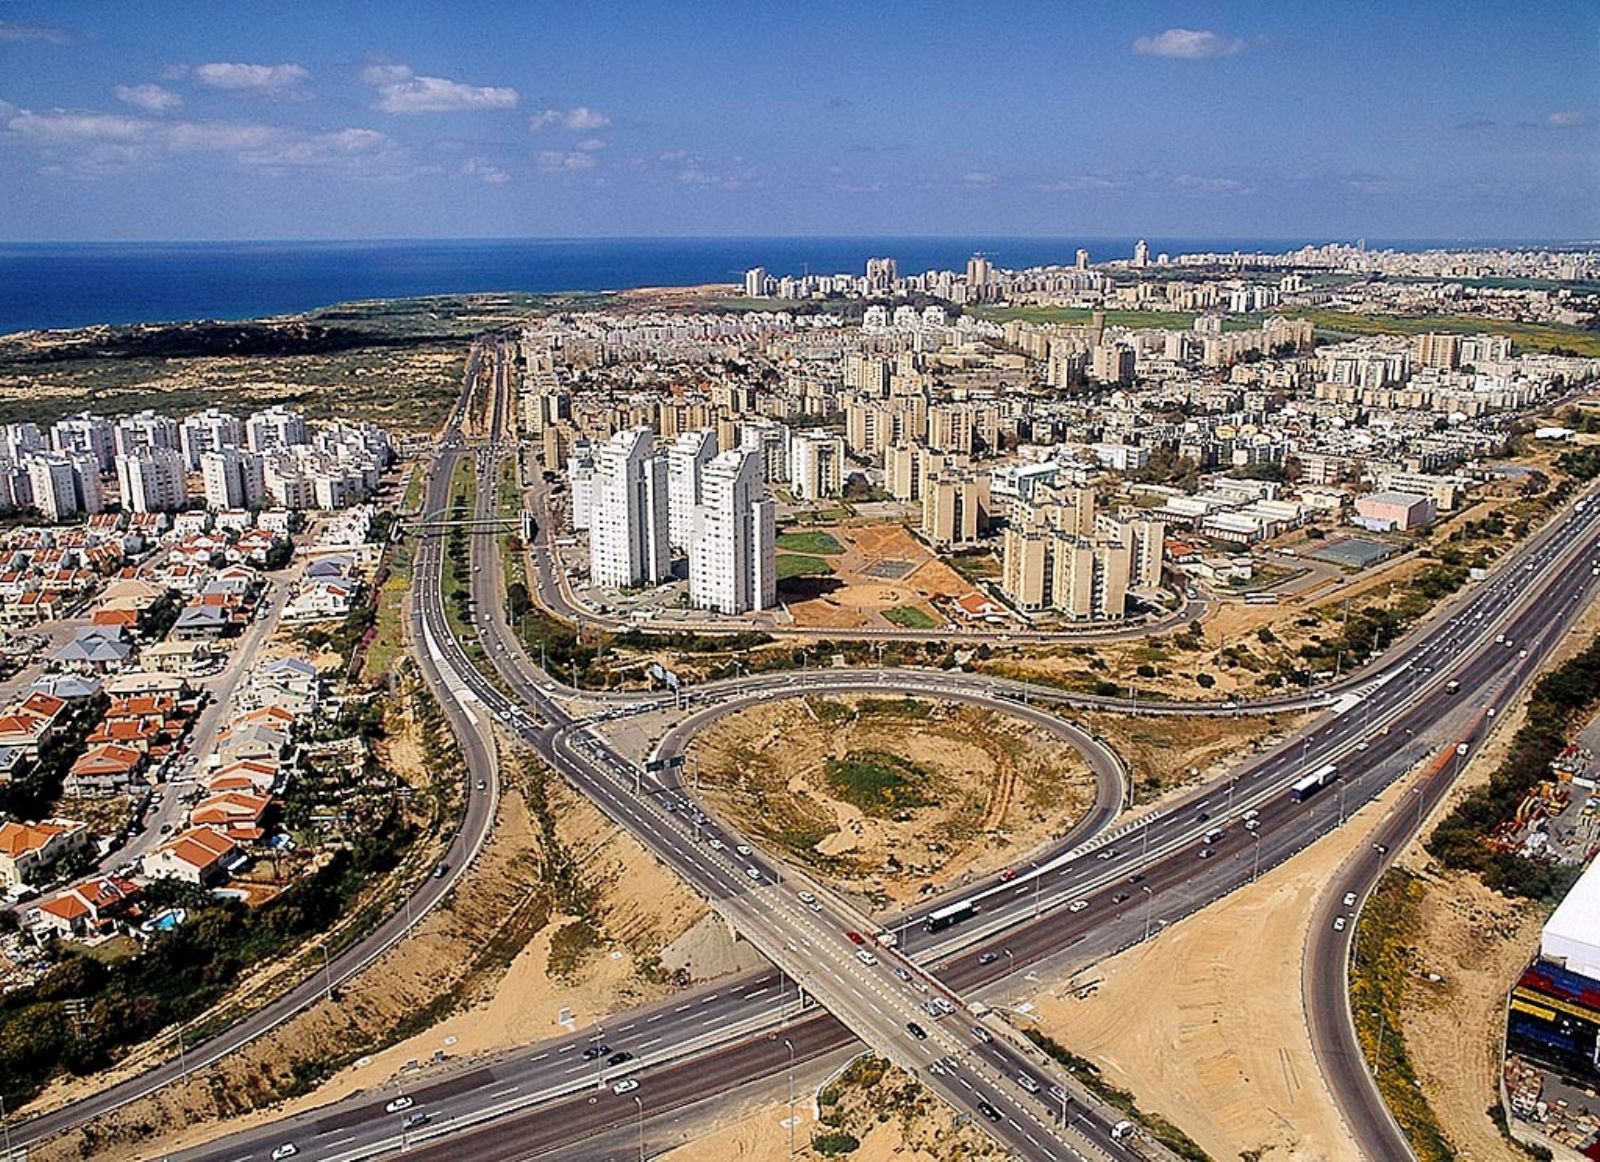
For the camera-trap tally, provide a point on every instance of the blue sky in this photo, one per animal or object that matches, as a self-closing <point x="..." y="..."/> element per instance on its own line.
<point x="332" y="120"/>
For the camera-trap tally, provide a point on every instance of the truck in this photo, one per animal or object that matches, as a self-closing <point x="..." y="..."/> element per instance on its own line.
<point x="941" y="918"/>
<point x="1309" y="785"/>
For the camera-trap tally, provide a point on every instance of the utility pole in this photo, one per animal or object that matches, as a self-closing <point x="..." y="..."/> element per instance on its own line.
<point x="1149" y="903"/>
<point x="790" y="1046"/>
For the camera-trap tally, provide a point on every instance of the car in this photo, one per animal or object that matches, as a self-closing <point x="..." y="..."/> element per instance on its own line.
<point x="1028" y="1082"/>
<point x="916" y="1031"/>
<point x="420" y="1118"/>
<point x="166" y="828"/>
<point x="620" y="1056"/>
<point x="988" y="957"/>
<point x="943" y="1005"/>
<point x="1206" y="853"/>
<point x="287" y="1150"/>
<point x="988" y="1111"/>
<point x="482" y="785"/>
<point x="866" y="957"/>
<point x="1008" y="875"/>
<point x="1203" y="816"/>
<point x="753" y="874"/>
<point x="1338" y="923"/>
<point x="626" y="1085"/>
<point x="1362" y="745"/>
<point x="1120" y="898"/>
<point x="1077" y="905"/>
<point x="1381" y="848"/>
<point x="743" y="849"/>
<point x="982" y="1034"/>
<point x="1349" y="899"/>
<point x="1252" y="824"/>
<point x="717" y="844"/>
<point x="594" y="1051"/>
<point x="1522" y="653"/>
<point x="403" y="1102"/>
<point x="441" y="871"/>
<point x="807" y="898"/>
<point x="902" y="973"/>
<point x="1108" y="853"/>
<point x="1136" y="877"/>
<point x="855" y="938"/>
<point x="1498" y="638"/>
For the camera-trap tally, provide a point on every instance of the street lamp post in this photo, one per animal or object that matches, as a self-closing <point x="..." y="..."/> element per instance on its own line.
<point x="639" y="1102"/>
<point x="1149" y="903"/>
<point x="789" y="1045"/>
<point x="1255" y="868"/>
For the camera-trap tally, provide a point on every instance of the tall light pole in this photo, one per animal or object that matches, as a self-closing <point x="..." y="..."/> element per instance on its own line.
<point x="1149" y="903"/>
<point x="1255" y="869"/>
<point x="789" y="1045"/>
<point x="639" y="1102"/>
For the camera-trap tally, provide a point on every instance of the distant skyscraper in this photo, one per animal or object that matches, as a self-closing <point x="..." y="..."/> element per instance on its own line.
<point x="233" y="478"/>
<point x="881" y="275"/>
<point x="979" y="270"/>
<point x="209" y="431"/>
<point x="687" y="457"/>
<point x="628" y="541"/>
<point x="1141" y="253"/>
<point x="755" y="282"/>
<point x="816" y="465"/>
<point x="731" y="553"/>
<point x="1083" y="260"/>
<point x="153" y="480"/>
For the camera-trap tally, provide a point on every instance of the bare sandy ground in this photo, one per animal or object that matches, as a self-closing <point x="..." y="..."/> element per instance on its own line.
<point x="1220" y="1045"/>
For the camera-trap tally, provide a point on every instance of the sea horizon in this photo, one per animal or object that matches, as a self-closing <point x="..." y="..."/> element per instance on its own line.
<point x="72" y="284"/>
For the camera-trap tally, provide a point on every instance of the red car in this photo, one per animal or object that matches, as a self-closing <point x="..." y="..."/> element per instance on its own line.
<point x="1008" y="875"/>
<point x="856" y="938"/>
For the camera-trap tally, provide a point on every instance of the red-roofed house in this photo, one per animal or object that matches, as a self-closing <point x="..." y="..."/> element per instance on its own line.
<point x="92" y="908"/>
<point x="107" y="769"/>
<point x="237" y="814"/>
<point x="198" y="856"/>
<point x="29" y="850"/>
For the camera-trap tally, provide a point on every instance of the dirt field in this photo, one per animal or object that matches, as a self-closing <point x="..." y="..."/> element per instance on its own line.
<point x="853" y="598"/>
<point x="1220" y="1047"/>
<point x="892" y="798"/>
<point x="1166" y="753"/>
<point x="882" y="1109"/>
<point x="475" y="978"/>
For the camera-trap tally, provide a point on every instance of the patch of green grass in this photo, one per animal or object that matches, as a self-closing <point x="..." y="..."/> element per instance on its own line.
<point x="794" y="565"/>
<point x="877" y="782"/>
<point x="815" y="543"/>
<point x="1528" y="336"/>
<point x="910" y="617"/>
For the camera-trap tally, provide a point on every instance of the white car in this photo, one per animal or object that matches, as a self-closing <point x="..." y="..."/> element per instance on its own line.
<point x="1349" y="899"/>
<point x="743" y="849"/>
<point x="866" y="957"/>
<point x="753" y="874"/>
<point x="1338" y="923"/>
<point x="287" y="1150"/>
<point x="717" y="845"/>
<point x="400" y="1103"/>
<point x="1077" y="905"/>
<point x="626" y="1085"/>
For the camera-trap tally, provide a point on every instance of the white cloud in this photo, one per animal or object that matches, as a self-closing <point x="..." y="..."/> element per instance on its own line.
<point x="556" y="161"/>
<point x="18" y="32"/>
<point x="89" y="144"/>
<point x="1188" y="44"/>
<point x="484" y="170"/>
<point x="1568" y="119"/>
<point x="591" y="144"/>
<point x="242" y="78"/>
<point x="1078" y="183"/>
<point x="386" y="74"/>
<point x="402" y="91"/>
<point x="579" y="119"/>
<point x="150" y="98"/>
<point x="1208" y="185"/>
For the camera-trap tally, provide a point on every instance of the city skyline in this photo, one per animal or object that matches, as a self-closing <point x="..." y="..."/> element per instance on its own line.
<point x="1168" y="120"/>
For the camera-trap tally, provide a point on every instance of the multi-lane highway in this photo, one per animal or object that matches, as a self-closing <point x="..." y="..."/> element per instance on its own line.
<point x="1126" y="887"/>
<point x="1086" y="898"/>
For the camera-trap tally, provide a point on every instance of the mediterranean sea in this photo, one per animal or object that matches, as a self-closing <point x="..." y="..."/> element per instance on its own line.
<point x="56" y="285"/>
